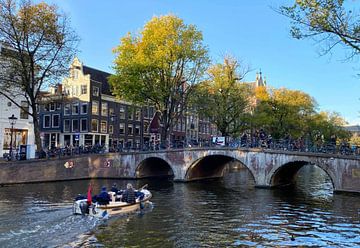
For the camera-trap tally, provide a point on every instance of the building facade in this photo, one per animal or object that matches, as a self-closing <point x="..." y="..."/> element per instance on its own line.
<point x="23" y="130"/>
<point x="83" y="112"/>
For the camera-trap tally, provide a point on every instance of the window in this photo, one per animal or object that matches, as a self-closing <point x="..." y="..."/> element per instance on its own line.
<point x="138" y="115"/>
<point x="84" y="108"/>
<point x="75" y="125"/>
<point x="52" y="106"/>
<point x="95" y="91"/>
<point x="131" y="113"/>
<point x="122" y="112"/>
<point x="46" y="123"/>
<point x="146" y="127"/>
<point x="83" y="125"/>
<point x="104" y="109"/>
<point x="75" y="90"/>
<point x="111" y="129"/>
<point x="55" y="120"/>
<point x="130" y="129"/>
<point x="95" y="108"/>
<point x="24" y="110"/>
<point x="67" y="109"/>
<point x="75" y="108"/>
<point x="121" y="128"/>
<point x="76" y="74"/>
<point x="111" y="112"/>
<point x="66" y="125"/>
<point x="58" y="106"/>
<point x="137" y="130"/>
<point x="94" y="125"/>
<point x="103" y="126"/>
<point x="83" y="89"/>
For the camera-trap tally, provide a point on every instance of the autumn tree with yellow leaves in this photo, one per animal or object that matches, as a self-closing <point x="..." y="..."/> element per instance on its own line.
<point x="160" y="66"/>
<point x="224" y="98"/>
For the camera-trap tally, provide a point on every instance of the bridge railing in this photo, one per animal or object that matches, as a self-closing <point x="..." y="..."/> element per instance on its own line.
<point x="282" y="144"/>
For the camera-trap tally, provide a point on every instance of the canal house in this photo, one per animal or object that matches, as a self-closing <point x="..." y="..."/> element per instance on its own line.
<point x="83" y="112"/>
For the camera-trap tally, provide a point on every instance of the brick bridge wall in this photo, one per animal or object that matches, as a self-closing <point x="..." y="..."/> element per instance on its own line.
<point x="269" y="168"/>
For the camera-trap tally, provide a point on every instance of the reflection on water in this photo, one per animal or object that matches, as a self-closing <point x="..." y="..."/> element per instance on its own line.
<point x="228" y="212"/>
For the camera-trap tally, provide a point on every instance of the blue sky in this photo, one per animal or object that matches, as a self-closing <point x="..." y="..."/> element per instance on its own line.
<point x="249" y="29"/>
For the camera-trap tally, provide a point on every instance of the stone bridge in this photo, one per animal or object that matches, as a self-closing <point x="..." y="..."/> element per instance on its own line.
<point x="269" y="168"/>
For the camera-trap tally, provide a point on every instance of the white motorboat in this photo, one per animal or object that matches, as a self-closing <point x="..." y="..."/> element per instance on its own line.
<point x="115" y="206"/>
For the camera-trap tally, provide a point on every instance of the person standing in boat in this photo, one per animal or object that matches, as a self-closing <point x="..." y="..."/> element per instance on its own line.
<point x="129" y="194"/>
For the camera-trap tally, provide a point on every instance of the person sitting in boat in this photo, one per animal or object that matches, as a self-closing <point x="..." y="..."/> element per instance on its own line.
<point x="129" y="194"/>
<point x="114" y="189"/>
<point x="103" y="198"/>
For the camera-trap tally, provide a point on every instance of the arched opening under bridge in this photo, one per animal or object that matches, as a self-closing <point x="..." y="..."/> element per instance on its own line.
<point x="304" y="176"/>
<point x="213" y="166"/>
<point x="154" y="167"/>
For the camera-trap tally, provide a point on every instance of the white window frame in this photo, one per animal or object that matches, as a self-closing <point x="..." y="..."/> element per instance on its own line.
<point x="95" y="91"/>
<point x="67" y="104"/>
<point x="104" y="113"/>
<point x="97" y="125"/>
<point x="122" y="128"/>
<point x="81" y="126"/>
<point x="52" y="120"/>
<point x="50" y="106"/>
<point x="81" y="109"/>
<point x="101" y="129"/>
<point x="92" y="107"/>
<point x="72" y="125"/>
<point x="83" y="89"/>
<point x="67" y="130"/>
<point x="72" y="108"/>
<point x="45" y="122"/>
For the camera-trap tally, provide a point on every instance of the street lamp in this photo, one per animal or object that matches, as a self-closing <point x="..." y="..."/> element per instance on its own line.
<point x="12" y="121"/>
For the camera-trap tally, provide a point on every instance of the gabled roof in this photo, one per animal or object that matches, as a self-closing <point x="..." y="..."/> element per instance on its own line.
<point x="99" y="76"/>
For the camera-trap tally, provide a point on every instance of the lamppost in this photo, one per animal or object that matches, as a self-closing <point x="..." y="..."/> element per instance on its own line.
<point x="12" y="121"/>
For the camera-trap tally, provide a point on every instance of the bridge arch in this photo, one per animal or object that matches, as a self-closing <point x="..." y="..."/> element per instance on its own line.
<point x="210" y="166"/>
<point x="286" y="173"/>
<point x="154" y="167"/>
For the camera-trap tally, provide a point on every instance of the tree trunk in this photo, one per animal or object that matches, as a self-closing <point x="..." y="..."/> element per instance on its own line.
<point x="36" y="129"/>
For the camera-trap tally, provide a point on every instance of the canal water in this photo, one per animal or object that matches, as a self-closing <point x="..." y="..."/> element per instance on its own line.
<point x="228" y="212"/>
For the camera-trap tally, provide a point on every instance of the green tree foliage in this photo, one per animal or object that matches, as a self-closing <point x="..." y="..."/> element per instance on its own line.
<point x="224" y="99"/>
<point x="282" y="111"/>
<point x="329" y="21"/>
<point x="37" y="46"/>
<point x="159" y="66"/>
<point x="321" y="127"/>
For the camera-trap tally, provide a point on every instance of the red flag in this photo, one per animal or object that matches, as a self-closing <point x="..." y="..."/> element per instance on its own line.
<point x="89" y="198"/>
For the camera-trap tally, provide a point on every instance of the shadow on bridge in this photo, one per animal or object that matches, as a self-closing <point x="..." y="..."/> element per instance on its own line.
<point x="287" y="174"/>
<point x="154" y="167"/>
<point x="213" y="166"/>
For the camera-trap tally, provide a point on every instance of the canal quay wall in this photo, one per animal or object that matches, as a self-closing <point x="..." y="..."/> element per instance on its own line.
<point x="62" y="169"/>
<point x="269" y="168"/>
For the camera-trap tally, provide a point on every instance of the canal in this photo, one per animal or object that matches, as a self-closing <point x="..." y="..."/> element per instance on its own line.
<point x="228" y="212"/>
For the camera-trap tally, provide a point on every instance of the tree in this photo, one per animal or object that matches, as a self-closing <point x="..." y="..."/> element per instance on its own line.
<point x="326" y="125"/>
<point x="328" y="21"/>
<point x="38" y="44"/>
<point x="223" y="99"/>
<point x="159" y="67"/>
<point x="283" y="111"/>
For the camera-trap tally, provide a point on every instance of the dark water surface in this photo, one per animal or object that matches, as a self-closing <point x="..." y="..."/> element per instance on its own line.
<point x="216" y="213"/>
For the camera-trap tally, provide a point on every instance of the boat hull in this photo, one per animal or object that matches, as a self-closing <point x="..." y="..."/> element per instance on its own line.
<point x="113" y="208"/>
